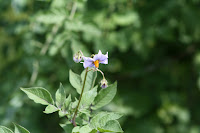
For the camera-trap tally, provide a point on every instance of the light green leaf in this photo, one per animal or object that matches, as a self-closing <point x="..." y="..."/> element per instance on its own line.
<point x="20" y="129"/>
<point x="50" y="109"/>
<point x="85" y="129"/>
<point x="85" y="111"/>
<point x="76" y="129"/>
<point x="60" y="96"/>
<point x="38" y="95"/>
<point x="109" y="116"/>
<point x="66" y="103"/>
<point x="4" y="129"/>
<point x="50" y="18"/>
<point x="65" y="107"/>
<point x="91" y="77"/>
<point x="95" y="120"/>
<point x="88" y="97"/>
<point x="105" y="96"/>
<point x="75" y="103"/>
<point x="58" y="4"/>
<point x="111" y="126"/>
<point x="75" y="81"/>
<point x="100" y="119"/>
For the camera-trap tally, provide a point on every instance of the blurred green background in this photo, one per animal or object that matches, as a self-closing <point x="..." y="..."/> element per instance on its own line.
<point x="154" y="54"/>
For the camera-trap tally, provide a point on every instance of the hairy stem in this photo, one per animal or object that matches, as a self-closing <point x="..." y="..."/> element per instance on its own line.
<point x="76" y="111"/>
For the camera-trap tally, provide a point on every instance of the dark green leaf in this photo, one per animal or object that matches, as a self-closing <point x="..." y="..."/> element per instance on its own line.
<point x="67" y="127"/>
<point x="105" y="96"/>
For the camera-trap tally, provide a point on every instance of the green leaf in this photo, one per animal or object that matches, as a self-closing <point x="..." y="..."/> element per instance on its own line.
<point x="50" y="109"/>
<point x="94" y="131"/>
<point x="4" y="129"/>
<point x="67" y="127"/>
<point x="95" y="120"/>
<point x="105" y="96"/>
<point x="65" y="108"/>
<point x="76" y="129"/>
<point x="85" y="129"/>
<point x="88" y="97"/>
<point x="85" y="111"/>
<point x="60" y="96"/>
<point x="75" y="81"/>
<point x="38" y="95"/>
<point x="50" y="18"/>
<point x="100" y="119"/>
<point x="74" y="104"/>
<point x="66" y="103"/>
<point x="90" y="79"/>
<point x="109" y="116"/>
<point x="111" y="126"/>
<point x="20" y="129"/>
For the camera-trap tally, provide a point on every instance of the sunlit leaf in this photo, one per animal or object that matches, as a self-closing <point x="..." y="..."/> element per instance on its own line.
<point x="5" y="130"/>
<point x="50" y="109"/>
<point x="60" y="96"/>
<point x="20" y="129"/>
<point x="75" y="81"/>
<point x="39" y="95"/>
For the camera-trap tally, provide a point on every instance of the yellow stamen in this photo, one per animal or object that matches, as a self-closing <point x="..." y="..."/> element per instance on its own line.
<point x="96" y="63"/>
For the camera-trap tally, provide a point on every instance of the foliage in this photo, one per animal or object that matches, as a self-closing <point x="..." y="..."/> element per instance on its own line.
<point x="89" y="100"/>
<point x="18" y="129"/>
<point x="154" y="55"/>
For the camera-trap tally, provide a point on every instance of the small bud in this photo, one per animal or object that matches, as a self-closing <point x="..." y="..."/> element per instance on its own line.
<point x="77" y="57"/>
<point x="92" y="55"/>
<point x="104" y="83"/>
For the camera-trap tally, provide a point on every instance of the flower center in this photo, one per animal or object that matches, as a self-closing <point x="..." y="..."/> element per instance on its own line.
<point x="96" y="63"/>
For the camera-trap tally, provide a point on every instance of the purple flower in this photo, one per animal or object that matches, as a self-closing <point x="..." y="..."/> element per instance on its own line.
<point x="94" y="62"/>
<point x="104" y="83"/>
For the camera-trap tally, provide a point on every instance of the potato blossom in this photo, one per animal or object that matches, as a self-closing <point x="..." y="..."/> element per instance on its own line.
<point x="96" y="60"/>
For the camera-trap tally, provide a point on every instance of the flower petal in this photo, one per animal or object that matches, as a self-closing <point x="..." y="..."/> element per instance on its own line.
<point x="104" y="61"/>
<point x="88" y="62"/>
<point x="106" y="55"/>
<point x="88" y="59"/>
<point x="100" y="56"/>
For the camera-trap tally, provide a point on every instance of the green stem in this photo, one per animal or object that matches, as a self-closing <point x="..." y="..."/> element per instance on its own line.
<point x="76" y="111"/>
<point x="94" y="80"/>
<point x="91" y="88"/>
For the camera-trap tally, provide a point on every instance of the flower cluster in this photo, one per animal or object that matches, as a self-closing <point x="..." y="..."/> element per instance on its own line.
<point x="93" y="62"/>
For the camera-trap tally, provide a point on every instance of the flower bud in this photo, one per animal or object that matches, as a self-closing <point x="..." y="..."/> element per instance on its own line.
<point x="77" y="57"/>
<point x="104" y="83"/>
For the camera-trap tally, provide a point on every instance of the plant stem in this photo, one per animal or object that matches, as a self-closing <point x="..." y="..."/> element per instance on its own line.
<point x="91" y="88"/>
<point x="76" y="111"/>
